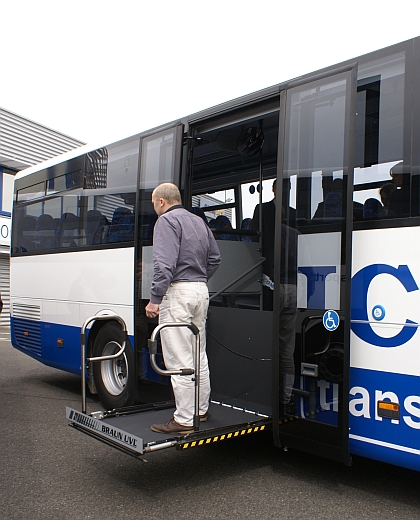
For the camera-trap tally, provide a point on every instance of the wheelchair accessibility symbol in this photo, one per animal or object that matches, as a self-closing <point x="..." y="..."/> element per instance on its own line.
<point x="331" y="320"/>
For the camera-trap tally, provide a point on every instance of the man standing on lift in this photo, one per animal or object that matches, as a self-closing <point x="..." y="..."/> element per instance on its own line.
<point x="185" y="257"/>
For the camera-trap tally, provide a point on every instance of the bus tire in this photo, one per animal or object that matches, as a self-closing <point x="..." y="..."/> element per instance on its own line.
<point x="114" y="378"/>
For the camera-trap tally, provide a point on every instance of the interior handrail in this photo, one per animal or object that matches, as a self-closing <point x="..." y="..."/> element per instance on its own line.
<point x="236" y="280"/>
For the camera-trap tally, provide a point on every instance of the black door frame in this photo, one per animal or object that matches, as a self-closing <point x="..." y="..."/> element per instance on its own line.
<point x="350" y="71"/>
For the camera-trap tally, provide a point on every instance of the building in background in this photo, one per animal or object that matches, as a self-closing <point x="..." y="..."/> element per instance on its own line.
<point x="23" y="143"/>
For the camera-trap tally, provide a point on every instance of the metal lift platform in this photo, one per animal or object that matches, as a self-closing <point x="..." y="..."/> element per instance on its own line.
<point x="128" y="430"/>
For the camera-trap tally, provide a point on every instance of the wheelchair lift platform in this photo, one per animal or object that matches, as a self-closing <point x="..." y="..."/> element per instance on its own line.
<point x="128" y="429"/>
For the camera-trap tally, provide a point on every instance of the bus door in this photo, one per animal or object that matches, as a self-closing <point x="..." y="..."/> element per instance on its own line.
<point x="232" y="166"/>
<point x="312" y="264"/>
<point x="160" y="161"/>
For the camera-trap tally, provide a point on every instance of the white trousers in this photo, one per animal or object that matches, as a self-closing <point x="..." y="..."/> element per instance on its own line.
<point x="186" y="302"/>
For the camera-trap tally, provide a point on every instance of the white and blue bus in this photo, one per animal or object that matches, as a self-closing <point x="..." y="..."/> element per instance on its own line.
<point x="343" y="145"/>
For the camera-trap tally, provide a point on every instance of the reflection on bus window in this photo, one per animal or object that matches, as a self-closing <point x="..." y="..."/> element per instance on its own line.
<point x="86" y="207"/>
<point x="76" y="222"/>
<point x="382" y="182"/>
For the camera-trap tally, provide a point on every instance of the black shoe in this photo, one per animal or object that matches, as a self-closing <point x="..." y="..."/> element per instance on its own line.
<point x="289" y="409"/>
<point x="204" y="417"/>
<point x="172" y="427"/>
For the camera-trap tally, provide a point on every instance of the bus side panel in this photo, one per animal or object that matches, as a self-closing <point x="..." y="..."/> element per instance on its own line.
<point x="384" y="346"/>
<point x="100" y="276"/>
<point x="391" y="440"/>
<point x="53" y="295"/>
<point x="57" y="346"/>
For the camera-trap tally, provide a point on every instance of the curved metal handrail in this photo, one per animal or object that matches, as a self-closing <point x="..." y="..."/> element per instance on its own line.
<point x="83" y="339"/>
<point x="153" y="349"/>
<point x="182" y="371"/>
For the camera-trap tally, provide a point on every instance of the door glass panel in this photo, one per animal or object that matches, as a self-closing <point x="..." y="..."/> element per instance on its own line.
<point x="383" y="182"/>
<point x="159" y="162"/>
<point x="158" y="153"/>
<point x="313" y="252"/>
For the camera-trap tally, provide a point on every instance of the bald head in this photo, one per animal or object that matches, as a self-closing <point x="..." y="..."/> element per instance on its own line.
<point x="164" y="196"/>
<point x="169" y="192"/>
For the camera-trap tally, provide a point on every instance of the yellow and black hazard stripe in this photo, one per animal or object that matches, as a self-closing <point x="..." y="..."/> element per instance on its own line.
<point x="308" y="415"/>
<point x="183" y="445"/>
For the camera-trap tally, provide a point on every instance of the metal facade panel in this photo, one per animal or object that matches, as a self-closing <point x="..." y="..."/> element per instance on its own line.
<point x="5" y="288"/>
<point x="24" y="142"/>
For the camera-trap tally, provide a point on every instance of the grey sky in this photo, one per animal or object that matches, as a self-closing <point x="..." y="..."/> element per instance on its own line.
<point x="99" y="70"/>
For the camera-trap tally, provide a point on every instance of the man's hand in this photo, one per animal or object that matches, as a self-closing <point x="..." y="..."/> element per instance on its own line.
<point x="152" y="310"/>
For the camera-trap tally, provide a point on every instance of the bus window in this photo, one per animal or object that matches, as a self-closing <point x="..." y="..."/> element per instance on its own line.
<point x="158" y="162"/>
<point x="31" y="192"/>
<point x="64" y="182"/>
<point x="381" y="181"/>
<point x="81" y="209"/>
<point x="218" y="210"/>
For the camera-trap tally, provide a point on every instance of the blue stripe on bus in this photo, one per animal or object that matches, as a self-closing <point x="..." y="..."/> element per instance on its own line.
<point x="397" y="441"/>
<point x="39" y="340"/>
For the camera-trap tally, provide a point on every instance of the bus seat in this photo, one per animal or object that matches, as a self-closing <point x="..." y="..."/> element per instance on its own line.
<point x="223" y="223"/>
<point x="67" y="230"/>
<point x="246" y="224"/>
<point x="27" y="241"/>
<point x="199" y="212"/>
<point x="95" y="227"/>
<point x="122" y="226"/>
<point x="44" y="236"/>
<point x="333" y="208"/>
<point x="372" y="208"/>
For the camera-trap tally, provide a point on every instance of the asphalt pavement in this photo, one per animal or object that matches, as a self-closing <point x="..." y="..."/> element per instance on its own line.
<point x="50" y="471"/>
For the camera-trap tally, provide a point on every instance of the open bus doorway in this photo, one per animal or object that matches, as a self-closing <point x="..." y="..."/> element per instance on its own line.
<point x="232" y="170"/>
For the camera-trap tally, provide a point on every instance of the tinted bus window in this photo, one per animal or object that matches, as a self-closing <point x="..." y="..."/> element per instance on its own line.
<point x="381" y="180"/>
<point x="81" y="209"/>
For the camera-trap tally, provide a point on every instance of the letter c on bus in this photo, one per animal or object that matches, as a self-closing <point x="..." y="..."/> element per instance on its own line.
<point x="359" y="313"/>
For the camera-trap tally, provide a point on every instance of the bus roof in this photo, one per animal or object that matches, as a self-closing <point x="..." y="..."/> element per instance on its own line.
<point x="211" y="111"/>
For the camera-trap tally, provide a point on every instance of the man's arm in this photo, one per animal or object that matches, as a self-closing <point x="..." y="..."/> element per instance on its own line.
<point x="214" y="258"/>
<point x="165" y="256"/>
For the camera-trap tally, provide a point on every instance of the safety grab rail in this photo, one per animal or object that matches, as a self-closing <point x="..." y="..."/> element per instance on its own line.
<point x="181" y="371"/>
<point x="218" y="293"/>
<point x="84" y="359"/>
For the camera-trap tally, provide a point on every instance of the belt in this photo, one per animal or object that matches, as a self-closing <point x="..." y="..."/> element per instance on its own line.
<point x="186" y="281"/>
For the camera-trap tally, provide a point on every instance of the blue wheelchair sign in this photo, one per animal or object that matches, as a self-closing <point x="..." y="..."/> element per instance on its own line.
<point x="331" y="320"/>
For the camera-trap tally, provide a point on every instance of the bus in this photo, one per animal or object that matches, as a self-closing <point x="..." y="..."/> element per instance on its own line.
<point x="321" y="347"/>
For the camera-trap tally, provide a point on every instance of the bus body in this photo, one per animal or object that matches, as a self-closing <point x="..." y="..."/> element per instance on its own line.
<point x="342" y="144"/>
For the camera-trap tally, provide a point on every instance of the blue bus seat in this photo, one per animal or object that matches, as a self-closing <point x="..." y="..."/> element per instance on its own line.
<point x="96" y="223"/>
<point x="67" y="230"/>
<point x="44" y="236"/>
<point x="122" y="226"/>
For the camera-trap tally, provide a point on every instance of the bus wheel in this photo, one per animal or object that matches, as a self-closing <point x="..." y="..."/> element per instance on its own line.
<point x="114" y="378"/>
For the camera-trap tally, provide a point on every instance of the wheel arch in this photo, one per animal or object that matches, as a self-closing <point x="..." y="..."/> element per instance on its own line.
<point x="92" y="334"/>
<point x="109" y="377"/>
